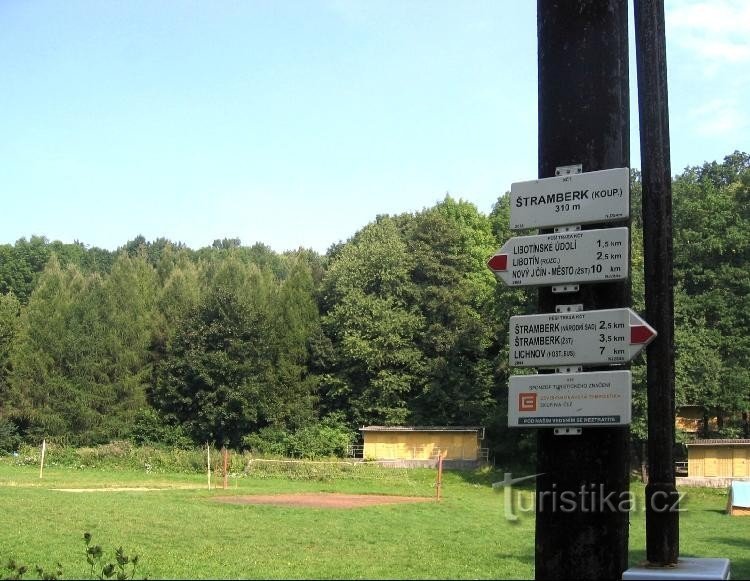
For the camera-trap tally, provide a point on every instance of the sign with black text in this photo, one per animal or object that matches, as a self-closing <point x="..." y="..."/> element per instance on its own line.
<point x="585" y="198"/>
<point x="595" y="398"/>
<point x="563" y="258"/>
<point x="603" y="337"/>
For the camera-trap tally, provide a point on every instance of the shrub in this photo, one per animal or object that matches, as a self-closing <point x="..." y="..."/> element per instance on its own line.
<point x="123" y="567"/>
<point x="268" y="442"/>
<point x="150" y="428"/>
<point x="328" y="438"/>
<point x="10" y="440"/>
<point x="117" y="455"/>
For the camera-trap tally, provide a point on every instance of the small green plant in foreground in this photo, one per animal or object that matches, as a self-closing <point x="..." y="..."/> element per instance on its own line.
<point x="17" y="571"/>
<point x="123" y="568"/>
<point x="117" y="570"/>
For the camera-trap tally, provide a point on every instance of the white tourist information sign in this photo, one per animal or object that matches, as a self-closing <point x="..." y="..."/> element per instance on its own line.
<point x="585" y="198"/>
<point x="596" y="398"/>
<point x="563" y="258"/>
<point x="602" y="337"/>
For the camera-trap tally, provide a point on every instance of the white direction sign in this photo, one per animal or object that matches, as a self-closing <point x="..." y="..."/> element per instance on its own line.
<point x="563" y="258"/>
<point x="585" y="198"/>
<point x="597" y="398"/>
<point x="603" y="337"/>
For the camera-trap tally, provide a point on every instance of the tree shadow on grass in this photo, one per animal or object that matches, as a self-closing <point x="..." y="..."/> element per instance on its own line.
<point x="524" y="559"/>
<point x="733" y="542"/>
<point x="488" y="475"/>
<point x="738" y="568"/>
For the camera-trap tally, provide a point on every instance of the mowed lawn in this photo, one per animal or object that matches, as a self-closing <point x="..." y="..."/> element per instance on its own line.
<point x="180" y="532"/>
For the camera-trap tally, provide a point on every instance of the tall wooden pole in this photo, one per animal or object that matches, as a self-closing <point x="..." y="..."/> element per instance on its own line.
<point x="208" y="464"/>
<point x="662" y="520"/>
<point x="225" y="454"/>
<point x="439" y="484"/>
<point x="41" y="463"/>
<point x="583" y="119"/>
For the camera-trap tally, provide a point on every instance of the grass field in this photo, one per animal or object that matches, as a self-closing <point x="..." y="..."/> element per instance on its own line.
<point x="180" y="532"/>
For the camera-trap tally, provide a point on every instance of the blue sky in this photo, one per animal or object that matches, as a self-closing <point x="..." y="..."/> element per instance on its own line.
<point x="296" y="122"/>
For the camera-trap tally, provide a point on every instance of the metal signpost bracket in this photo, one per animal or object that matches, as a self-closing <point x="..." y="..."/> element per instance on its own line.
<point x="565" y="288"/>
<point x="569" y="308"/>
<point x="568" y="431"/>
<point x="564" y="170"/>
<point x="569" y="369"/>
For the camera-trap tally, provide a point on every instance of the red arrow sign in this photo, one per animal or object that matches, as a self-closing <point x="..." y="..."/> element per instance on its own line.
<point x="587" y="338"/>
<point x="641" y="334"/>
<point x="563" y="258"/>
<point x="498" y="263"/>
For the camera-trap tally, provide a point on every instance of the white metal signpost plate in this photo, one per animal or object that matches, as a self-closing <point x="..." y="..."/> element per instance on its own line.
<point x="603" y="337"/>
<point x="596" y="398"/>
<point x="585" y="198"/>
<point x="563" y="258"/>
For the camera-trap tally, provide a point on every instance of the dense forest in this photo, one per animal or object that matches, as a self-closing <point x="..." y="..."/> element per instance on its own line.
<point x="401" y="324"/>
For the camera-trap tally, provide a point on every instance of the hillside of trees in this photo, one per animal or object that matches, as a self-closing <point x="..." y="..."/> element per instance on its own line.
<point x="401" y="324"/>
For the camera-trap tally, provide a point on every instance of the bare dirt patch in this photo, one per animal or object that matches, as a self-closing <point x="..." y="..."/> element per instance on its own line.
<point x="321" y="499"/>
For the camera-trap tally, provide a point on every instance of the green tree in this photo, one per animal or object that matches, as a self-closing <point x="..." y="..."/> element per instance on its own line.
<point x="236" y="361"/>
<point x="712" y="306"/>
<point x="43" y="394"/>
<point x="176" y="297"/>
<point x="21" y="266"/>
<point x="126" y="313"/>
<point x="372" y="327"/>
<point x="450" y="244"/>
<point x="508" y="444"/>
<point x="295" y="324"/>
<point x="10" y="310"/>
<point x="79" y="367"/>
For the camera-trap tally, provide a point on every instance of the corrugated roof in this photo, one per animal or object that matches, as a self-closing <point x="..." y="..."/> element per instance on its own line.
<point x="719" y="442"/>
<point x="421" y="428"/>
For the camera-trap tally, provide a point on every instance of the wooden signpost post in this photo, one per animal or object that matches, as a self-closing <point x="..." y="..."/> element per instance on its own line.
<point x="581" y="196"/>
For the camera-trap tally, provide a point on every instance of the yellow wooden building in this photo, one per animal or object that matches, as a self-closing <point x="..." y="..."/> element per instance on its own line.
<point x="423" y="442"/>
<point x="691" y="419"/>
<point x="719" y="458"/>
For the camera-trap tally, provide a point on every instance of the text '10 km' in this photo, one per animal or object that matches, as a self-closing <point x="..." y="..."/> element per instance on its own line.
<point x="563" y="258"/>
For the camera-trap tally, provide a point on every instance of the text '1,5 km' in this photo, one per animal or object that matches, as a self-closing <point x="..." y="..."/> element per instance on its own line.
<point x="563" y="257"/>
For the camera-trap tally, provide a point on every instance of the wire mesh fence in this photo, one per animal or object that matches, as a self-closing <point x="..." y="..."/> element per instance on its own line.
<point x="327" y="470"/>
